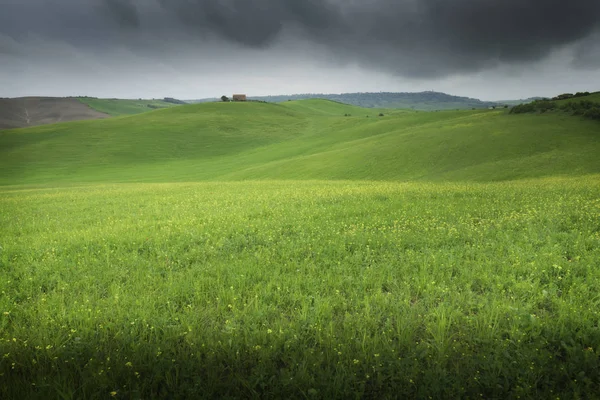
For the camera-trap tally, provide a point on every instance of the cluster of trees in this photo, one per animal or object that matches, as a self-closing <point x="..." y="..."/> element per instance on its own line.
<point x="566" y="96"/>
<point x="586" y="108"/>
<point x="173" y="101"/>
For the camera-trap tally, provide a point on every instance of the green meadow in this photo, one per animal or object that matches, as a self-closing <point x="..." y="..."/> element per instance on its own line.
<point x="303" y="140"/>
<point x="307" y="249"/>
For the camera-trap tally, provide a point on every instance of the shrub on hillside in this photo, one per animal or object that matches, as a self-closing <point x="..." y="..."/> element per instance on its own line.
<point x="581" y="94"/>
<point x="535" y="106"/>
<point x="578" y="107"/>
<point x="593" y="113"/>
<point x="543" y="105"/>
<point x="566" y="96"/>
<point x="523" y="108"/>
<point x="563" y="96"/>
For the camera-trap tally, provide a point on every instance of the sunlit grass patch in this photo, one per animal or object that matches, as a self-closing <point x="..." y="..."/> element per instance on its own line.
<point x="293" y="289"/>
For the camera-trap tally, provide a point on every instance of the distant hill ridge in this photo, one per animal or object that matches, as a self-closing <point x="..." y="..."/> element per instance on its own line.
<point x="423" y="101"/>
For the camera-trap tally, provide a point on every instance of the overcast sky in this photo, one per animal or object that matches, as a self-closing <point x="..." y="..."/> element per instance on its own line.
<point x="190" y="49"/>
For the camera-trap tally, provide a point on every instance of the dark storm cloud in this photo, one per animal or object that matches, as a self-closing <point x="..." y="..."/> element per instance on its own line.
<point x="410" y="37"/>
<point x="423" y="38"/>
<point x="124" y="12"/>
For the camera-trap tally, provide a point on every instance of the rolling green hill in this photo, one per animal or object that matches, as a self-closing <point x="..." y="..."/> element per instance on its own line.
<point x="118" y="107"/>
<point x="309" y="139"/>
<point x="308" y="249"/>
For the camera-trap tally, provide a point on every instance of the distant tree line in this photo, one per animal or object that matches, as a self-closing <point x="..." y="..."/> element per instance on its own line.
<point x="173" y="101"/>
<point x="426" y="101"/>
<point x="585" y="108"/>
<point x="566" y="96"/>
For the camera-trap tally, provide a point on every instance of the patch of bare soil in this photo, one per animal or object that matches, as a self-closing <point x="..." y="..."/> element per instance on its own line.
<point x="30" y="111"/>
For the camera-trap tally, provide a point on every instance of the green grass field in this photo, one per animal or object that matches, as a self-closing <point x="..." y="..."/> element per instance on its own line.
<point x="234" y="141"/>
<point x="119" y="107"/>
<point x="288" y="251"/>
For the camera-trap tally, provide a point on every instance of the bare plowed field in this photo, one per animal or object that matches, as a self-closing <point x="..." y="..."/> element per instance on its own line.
<point x="31" y="111"/>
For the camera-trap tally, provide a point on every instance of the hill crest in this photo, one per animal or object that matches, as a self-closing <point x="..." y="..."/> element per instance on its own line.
<point x="421" y="101"/>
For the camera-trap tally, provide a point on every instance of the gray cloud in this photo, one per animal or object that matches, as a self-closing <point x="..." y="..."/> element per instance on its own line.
<point x="124" y="12"/>
<point x="587" y="52"/>
<point x="406" y="37"/>
<point x="413" y="38"/>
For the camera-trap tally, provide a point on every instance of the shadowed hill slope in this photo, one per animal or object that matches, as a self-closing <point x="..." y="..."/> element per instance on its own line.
<point x="32" y="111"/>
<point x="313" y="139"/>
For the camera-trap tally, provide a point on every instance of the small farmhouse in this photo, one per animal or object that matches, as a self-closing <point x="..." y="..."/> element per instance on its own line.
<point x="239" y="97"/>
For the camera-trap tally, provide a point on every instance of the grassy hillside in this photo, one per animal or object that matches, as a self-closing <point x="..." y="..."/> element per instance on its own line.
<point x="308" y="249"/>
<point x="311" y="139"/>
<point x="322" y="107"/>
<point x="118" y="107"/>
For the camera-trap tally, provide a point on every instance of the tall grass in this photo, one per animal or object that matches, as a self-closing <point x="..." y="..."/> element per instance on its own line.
<point x="301" y="290"/>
